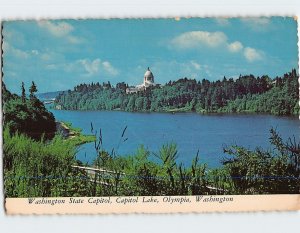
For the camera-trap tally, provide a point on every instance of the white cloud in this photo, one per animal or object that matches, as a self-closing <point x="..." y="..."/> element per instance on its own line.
<point x="207" y="70"/>
<point x="109" y="68"/>
<point x="195" y="39"/>
<point x="222" y="22"/>
<point x="35" y="52"/>
<point x="252" y="54"/>
<point x="215" y="40"/>
<point x="199" y="39"/>
<point x="196" y="65"/>
<point x="46" y="56"/>
<point x="171" y="70"/>
<point x="257" y="23"/>
<point x="60" y="30"/>
<point x="18" y="53"/>
<point x="51" y="67"/>
<point x="74" y="39"/>
<point x="256" y="20"/>
<point x="92" y="67"/>
<point x="235" y="47"/>
<point x="13" y="36"/>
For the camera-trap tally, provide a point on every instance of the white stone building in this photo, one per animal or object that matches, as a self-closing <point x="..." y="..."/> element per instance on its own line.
<point x="148" y="81"/>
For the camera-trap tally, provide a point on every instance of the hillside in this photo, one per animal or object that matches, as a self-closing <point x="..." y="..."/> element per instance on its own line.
<point x="27" y="115"/>
<point x="48" y="95"/>
<point x="277" y="96"/>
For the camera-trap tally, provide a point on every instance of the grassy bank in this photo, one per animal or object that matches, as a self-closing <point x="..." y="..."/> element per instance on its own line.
<point x="40" y="168"/>
<point x="74" y="134"/>
<point x="44" y="168"/>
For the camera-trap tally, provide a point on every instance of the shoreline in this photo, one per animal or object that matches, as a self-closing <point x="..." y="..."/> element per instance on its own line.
<point x="176" y="111"/>
<point x="73" y="134"/>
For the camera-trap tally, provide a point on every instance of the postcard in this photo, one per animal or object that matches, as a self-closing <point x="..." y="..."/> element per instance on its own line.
<point x="153" y="115"/>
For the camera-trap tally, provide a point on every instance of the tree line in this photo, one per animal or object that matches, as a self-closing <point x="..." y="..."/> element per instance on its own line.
<point x="278" y="96"/>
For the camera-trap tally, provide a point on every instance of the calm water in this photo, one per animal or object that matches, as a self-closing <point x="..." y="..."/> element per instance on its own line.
<point x="190" y="131"/>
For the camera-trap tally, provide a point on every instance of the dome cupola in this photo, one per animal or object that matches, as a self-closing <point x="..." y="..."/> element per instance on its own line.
<point x="148" y="76"/>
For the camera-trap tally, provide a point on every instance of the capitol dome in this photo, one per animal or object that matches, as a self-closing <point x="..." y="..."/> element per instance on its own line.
<point x="148" y="76"/>
<point x="148" y="82"/>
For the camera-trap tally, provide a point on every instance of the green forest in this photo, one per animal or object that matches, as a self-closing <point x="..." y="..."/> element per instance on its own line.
<point x="27" y="115"/>
<point x="39" y="161"/>
<point x="37" y="158"/>
<point x="246" y="94"/>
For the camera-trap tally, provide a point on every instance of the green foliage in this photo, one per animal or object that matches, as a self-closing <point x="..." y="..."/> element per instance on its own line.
<point x="281" y="99"/>
<point x="73" y="134"/>
<point x="260" y="171"/>
<point x="35" y="162"/>
<point x="82" y="139"/>
<point x="23" y="96"/>
<point x="246" y="94"/>
<point x="198" y="175"/>
<point x="36" y="168"/>
<point x="246" y="172"/>
<point x="27" y="116"/>
<point x="140" y="174"/>
<point x="32" y="90"/>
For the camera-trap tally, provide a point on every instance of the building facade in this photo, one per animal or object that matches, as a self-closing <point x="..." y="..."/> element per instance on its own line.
<point x="148" y="81"/>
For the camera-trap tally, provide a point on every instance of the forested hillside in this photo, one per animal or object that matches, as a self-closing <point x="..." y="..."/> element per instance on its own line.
<point x="34" y="153"/>
<point x="277" y="96"/>
<point x="27" y="115"/>
<point x="48" y="95"/>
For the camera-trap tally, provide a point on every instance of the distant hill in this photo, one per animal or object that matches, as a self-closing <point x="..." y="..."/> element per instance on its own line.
<point x="247" y="94"/>
<point x="48" y="95"/>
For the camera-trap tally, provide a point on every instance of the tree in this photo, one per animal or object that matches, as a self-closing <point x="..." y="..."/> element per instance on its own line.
<point x="265" y="171"/>
<point x="32" y="90"/>
<point x="31" y="118"/>
<point x="23" y="93"/>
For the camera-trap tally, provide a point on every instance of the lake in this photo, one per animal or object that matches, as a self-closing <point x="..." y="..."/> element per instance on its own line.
<point x="190" y="131"/>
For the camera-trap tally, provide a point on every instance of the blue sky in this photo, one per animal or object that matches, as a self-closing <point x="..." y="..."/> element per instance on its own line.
<point x="59" y="54"/>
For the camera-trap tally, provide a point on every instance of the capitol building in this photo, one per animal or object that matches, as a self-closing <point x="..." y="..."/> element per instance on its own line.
<point x="148" y="82"/>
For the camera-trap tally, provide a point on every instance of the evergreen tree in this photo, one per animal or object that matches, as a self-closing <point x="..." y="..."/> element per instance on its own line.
<point x="31" y="118"/>
<point x="23" y="93"/>
<point x="32" y="90"/>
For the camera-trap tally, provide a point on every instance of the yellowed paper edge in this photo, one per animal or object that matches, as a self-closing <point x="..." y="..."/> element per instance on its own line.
<point x="157" y="204"/>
